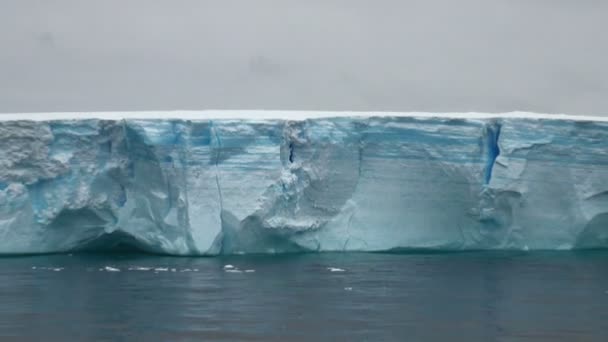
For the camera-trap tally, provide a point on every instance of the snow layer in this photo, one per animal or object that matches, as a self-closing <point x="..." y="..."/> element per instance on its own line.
<point x="214" y="182"/>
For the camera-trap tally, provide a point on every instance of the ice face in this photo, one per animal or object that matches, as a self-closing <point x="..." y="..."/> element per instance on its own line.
<point x="210" y="184"/>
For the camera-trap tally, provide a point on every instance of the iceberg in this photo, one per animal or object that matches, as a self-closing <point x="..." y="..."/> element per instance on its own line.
<point x="233" y="182"/>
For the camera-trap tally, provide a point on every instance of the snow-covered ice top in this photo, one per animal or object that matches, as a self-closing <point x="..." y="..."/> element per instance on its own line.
<point x="222" y="182"/>
<point x="281" y="114"/>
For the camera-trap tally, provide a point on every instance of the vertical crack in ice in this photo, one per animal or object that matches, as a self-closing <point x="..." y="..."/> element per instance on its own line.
<point x="217" y="168"/>
<point x="218" y="146"/>
<point x="493" y="150"/>
<point x="348" y="225"/>
<point x="291" y="152"/>
<point x="182" y="145"/>
<point x="360" y="162"/>
<point x="360" y="146"/>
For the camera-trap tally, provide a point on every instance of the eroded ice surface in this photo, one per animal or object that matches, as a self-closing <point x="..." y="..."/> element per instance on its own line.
<point x="239" y="182"/>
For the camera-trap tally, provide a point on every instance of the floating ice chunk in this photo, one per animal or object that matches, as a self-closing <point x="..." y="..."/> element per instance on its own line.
<point x="56" y="269"/>
<point x="161" y="269"/>
<point x="111" y="269"/>
<point x="335" y="269"/>
<point x="139" y="268"/>
<point x="234" y="271"/>
<point x="228" y="267"/>
<point x="348" y="288"/>
<point x="249" y="271"/>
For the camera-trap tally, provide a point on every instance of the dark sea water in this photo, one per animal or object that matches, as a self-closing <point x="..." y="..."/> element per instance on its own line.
<point x="306" y="297"/>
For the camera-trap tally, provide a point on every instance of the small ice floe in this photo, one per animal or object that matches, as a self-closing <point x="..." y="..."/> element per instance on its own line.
<point x="195" y="270"/>
<point x="56" y="269"/>
<point x="234" y="271"/>
<point x="228" y="267"/>
<point x="161" y="269"/>
<point x="335" y="269"/>
<point x="249" y="271"/>
<point x="348" y="289"/>
<point x="111" y="269"/>
<point x="139" y="268"/>
<point x="173" y="270"/>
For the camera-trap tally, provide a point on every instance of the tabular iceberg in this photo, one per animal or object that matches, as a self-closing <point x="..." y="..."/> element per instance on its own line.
<point x="216" y="182"/>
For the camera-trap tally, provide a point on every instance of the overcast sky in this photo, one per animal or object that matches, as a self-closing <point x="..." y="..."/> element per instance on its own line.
<point x="466" y="55"/>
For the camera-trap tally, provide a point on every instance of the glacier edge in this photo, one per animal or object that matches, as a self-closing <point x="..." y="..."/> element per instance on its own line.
<point x="215" y="184"/>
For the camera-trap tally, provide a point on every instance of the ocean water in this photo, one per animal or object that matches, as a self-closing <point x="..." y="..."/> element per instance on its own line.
<point x="477" y="296"/>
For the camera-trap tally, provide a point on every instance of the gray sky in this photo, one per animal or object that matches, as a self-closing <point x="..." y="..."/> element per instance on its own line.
<point x="467" y="55"/>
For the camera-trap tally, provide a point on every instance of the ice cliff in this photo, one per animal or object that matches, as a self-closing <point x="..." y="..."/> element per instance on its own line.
<point x="214" y="182"/>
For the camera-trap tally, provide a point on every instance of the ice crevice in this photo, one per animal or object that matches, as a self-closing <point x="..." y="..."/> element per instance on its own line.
<point x="493" y="149"/>
<point x="218" y="146"/>
<point x="208" y="186"/>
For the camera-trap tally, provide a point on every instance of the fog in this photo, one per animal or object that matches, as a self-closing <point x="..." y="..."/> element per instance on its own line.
<point x="501" y="55"/>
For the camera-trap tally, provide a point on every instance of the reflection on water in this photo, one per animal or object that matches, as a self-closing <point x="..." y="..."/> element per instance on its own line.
<point x="458" y="296"/>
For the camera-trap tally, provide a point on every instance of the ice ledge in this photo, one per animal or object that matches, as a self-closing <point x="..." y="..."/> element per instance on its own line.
<point x="282" y="115"/>
<point x="191" y="183"/>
